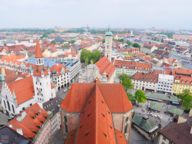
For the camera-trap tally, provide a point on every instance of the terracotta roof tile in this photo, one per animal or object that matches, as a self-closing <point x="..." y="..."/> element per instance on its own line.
<point x="57" y="68"/>
<point x="132" y="65"/>
<point x="105" y="67"/>
<point x="38" y="53"/>
<point x="23" y="89"/>
<point x="146" y="77"/>
<point x="184" y="79"/>
<point x="96" y="126"/>
<point x="96" y="123"/>
<point x="29" y="120"/>
<point x="114" y="95"/>
<point x="12" y="58"/>
<point x="120" y="137"/>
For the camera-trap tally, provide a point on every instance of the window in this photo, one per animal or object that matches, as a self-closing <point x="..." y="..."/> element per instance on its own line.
<point x="8" y="106"/>
<point x="13" y="109"/>
<point x="125" y="130"/>
<point x="65" y="119"/>
<point x="164" y="138"/>
<point x="66" y="128"/>
<point x="5" y="105"/>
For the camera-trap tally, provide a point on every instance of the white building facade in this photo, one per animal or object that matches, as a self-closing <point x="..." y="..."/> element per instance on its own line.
<point x="165" y="83"/>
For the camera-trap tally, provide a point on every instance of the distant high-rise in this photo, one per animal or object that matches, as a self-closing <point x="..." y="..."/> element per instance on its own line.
<point x="108" y="44"/>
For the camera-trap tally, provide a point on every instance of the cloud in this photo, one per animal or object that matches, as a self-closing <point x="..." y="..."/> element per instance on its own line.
<point x="97" y="13"/>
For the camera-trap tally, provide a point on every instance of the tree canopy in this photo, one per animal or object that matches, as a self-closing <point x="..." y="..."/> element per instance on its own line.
<point x="186" y="99"/>
<point x="129" y="43"/>
<point x="89" y="57"/>
<point x="140" y="96"/>
<point x="136" y="45"/>
<point x="126" y="81"/>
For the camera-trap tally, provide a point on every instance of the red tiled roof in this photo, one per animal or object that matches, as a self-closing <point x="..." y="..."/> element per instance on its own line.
<point x="96" y="123"/>
<point x="146" y="77"/>
<point x="184" y="79"/>
<point x="120" y="137"/>
<point x="114" y="95"/>
<point x="30" y="120"/>
<point x="12" y="58"/>
<point x="132" y="65"/>
<point x="96" y="126"/>
<point x="182" y="71"/>
<point x="105" y="67"/>
<point x="23" y="89"/>
<point x="57" y="68"/>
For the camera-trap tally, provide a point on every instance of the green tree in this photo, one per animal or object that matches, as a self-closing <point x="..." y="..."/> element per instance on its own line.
<point x="131" y="97"/>
<point x="88" y="57"/>
<point x="140" y="96"/>
<point x="84" y="55"/>
<point x="186" y="99"/>
<point x="95" y="56"/>
<point x="136" y="45"/>
<point x="126" y="82"/>
<point x="72" y="41"/>
<point x="129" y="43"/>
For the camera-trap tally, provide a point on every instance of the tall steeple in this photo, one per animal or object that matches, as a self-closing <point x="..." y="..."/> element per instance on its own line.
<point x="38" y="54"/>
<point x="108" y="44"/>
<point x="41" y="78"/>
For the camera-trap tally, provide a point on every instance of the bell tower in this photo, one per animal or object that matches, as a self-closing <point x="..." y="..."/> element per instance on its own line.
<point x="41" y="78"/>
<point x="108" y="44"/>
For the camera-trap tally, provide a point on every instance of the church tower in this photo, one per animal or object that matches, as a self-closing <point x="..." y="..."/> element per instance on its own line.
<point x="108" y="44"/>
<point x="41" y="78"/>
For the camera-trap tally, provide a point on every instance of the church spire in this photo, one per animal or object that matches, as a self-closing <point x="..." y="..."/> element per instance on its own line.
<point x="38" y="53"/>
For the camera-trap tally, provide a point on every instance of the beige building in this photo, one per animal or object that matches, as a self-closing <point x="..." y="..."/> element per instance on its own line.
<point x="182" y="83"/>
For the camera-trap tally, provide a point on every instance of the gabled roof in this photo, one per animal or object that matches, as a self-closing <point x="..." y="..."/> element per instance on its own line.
<point x="182" y="71"/>
<point x="105" y="67"/>
<point x="114" y="95"/>
<point x="96" y="123"/>
<point x="10" y="136"/>
<point x="184" y="79"/>
<point x="132" y="65"/>
<point x="12" y="58"/>
<point x="178" y="133"/>
<point x="96" y="126"/>
<point x="23" y="89"/>
<point x="147" y="124"/>
<point x="146" y="77"/>
<point x="57" y="68"/>
<point x="30" y="121"/>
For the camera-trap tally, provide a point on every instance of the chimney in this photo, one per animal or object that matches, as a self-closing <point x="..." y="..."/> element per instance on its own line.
<point x="181" y="120"/>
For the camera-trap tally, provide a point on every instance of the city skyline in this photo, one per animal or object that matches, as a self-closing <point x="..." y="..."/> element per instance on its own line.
<point x="172" y="14"/>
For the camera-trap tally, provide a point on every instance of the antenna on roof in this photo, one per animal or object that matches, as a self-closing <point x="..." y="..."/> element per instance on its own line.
<point x="108" y="29"/>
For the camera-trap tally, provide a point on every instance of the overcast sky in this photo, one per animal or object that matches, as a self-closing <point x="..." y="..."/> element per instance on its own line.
<point x="171" y="14"/>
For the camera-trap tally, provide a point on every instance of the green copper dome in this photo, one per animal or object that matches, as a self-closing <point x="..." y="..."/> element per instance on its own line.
<point x="108" y="33"/>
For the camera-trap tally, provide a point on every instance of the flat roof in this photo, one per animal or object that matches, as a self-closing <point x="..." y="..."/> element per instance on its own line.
<point x="49" y="62"/>
<point x="10" y="136"/>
